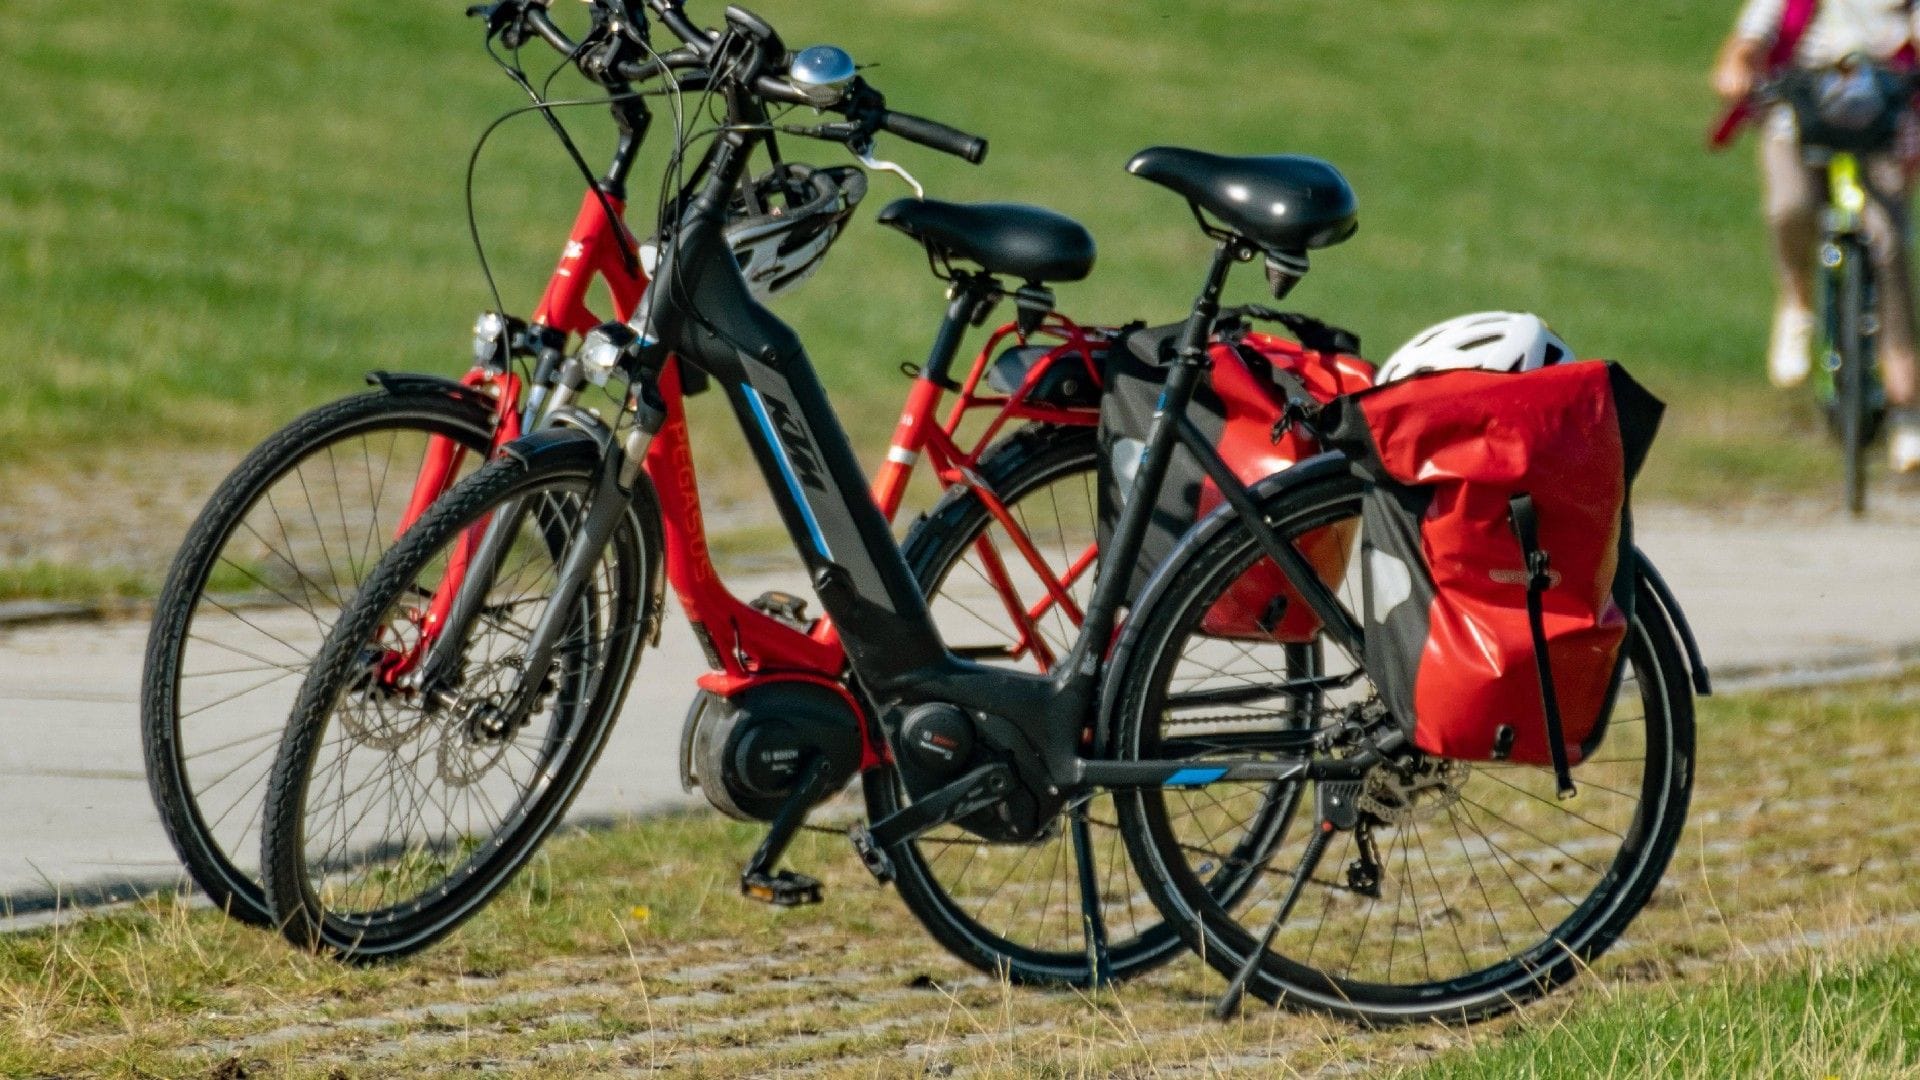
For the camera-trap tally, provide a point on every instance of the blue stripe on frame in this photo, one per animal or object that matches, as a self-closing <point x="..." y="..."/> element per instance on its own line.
<point x="786" y="470"/>
<point x="1195" y="777"/>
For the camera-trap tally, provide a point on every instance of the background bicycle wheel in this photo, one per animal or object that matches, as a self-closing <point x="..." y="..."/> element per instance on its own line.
<point x="256" y="586"/>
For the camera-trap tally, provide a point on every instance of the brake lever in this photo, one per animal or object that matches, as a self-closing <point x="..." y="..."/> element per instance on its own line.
<point x="864" y="155"/>
<point x="506" y="20"/>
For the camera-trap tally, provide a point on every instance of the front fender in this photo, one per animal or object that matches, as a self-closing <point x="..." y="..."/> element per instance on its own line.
<point x="409" y="382"/>
<point x="560" y="445"/>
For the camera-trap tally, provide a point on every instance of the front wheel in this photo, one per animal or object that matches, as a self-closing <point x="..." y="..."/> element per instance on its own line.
<point x="1472" y="888"/>
<point x="1853" y="380"/>
<point x="393" y="813"/>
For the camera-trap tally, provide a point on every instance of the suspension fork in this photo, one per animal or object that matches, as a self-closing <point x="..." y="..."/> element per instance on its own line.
<point x="472" y="548"/>
<point x="610" y="497"/>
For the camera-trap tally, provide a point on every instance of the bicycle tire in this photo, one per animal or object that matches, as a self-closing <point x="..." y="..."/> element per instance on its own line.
<point x="1493" y="975"/>
<point x="1850" y="341"/>
<point x="196" y="819"/>
<point x="1019" y="939"/>
<point x="315" y="914"/>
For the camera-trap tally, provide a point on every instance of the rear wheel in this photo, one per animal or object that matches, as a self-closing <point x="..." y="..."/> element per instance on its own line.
<point x="1015" y="909"/>
<point x="1472" y="889"/>
<point x="257" y="583"/>
<point x="1853" y="380"/>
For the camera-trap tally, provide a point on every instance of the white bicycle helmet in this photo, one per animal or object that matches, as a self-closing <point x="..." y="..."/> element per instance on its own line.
<point x="1486" y="340"/>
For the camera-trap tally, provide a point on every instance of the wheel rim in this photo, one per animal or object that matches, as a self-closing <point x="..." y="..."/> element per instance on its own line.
<point x="267" y="600"/>
<point x="1484" y="889"/>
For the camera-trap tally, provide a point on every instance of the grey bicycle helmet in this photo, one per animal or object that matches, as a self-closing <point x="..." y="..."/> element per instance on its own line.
<point x="783" y="221"/>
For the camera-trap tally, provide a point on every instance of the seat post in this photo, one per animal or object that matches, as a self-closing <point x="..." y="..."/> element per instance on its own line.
<point x="970" y="292"/>
<point x="1206" y="306"/>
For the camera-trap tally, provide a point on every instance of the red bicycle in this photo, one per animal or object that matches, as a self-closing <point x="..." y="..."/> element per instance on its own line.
<point x="288" y="537"/>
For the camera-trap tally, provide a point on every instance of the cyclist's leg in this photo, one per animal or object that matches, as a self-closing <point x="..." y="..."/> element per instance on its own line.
<point x="1792" y="202"/>
<point x="1888" y="230"/>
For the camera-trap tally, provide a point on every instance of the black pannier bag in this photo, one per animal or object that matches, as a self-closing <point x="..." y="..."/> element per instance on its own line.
<point x="1496" y="549"/>
<point x="1236" y="407"/>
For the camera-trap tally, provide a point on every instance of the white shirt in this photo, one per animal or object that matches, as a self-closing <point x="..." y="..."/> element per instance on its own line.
<point x="1839" y="28"/>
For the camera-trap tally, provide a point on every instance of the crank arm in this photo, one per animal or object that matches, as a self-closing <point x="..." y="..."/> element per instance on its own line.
<point x="977" y="790"/>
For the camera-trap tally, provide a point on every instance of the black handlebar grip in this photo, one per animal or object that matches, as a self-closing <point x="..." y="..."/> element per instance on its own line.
<point x="935" y="135"/>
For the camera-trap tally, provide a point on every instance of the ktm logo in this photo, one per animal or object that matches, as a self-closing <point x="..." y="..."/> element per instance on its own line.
<point x="799" y="447"/>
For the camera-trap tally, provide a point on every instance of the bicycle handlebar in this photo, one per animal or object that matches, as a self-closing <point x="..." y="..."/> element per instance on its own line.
<point x="863" y="105"/>
<point x="934" y="135"/>
<point x="866" y="105"/>
<point x="543" y="25"/>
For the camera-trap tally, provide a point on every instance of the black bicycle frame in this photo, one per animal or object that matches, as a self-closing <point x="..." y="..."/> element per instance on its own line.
<point x="705" y="314"/>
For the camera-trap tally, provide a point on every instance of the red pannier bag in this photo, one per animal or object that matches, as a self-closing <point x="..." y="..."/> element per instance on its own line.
<point x="1236" y="407"/>
<point x="1496" y="553"/>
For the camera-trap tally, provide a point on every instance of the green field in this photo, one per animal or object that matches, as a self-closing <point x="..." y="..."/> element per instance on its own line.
<point x="1781" y="942"/>
<point x="213" y="214"/>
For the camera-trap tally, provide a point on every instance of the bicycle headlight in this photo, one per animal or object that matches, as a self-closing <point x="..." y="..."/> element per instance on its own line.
<point x="490" y="345"/>
<point x="604" y="349"/>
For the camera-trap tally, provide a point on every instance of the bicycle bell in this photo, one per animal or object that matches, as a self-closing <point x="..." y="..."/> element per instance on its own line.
<point x="821" y="74"/>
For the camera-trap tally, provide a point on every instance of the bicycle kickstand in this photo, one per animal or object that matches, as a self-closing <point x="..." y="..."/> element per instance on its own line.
<point x="785" y="888"/>
<point x="1335" y="808"/>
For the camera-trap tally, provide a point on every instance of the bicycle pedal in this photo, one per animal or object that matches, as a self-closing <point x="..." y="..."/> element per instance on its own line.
<point x="784" y="889"/>
<point x="785" y="607"/>
<point x="877" y="861"/>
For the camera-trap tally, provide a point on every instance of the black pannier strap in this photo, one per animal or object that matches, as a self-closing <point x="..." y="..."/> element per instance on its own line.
<point x="1526" y="529"/>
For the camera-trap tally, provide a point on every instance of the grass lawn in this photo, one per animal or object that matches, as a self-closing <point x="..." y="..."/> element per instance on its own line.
<point x="213" y="216"/>
<point x="1782" y="942"/>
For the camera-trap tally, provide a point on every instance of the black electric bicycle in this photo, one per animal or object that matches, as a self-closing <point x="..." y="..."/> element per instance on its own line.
<point x="1231" y="766"/>
<point x="294" y="530"/>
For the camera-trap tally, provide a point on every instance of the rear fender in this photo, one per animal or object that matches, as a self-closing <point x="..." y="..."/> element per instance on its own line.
<point x="1676" y="620"/>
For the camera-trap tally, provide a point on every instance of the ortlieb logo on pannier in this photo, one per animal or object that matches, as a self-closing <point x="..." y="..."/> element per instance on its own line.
<point x="1236" y="407"/>
<point x="1496" y="553"/>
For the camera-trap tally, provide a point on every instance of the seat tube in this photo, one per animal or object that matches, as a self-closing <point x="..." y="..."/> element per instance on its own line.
<point x="910" y="435"/>
<point x="1118" y="557"/>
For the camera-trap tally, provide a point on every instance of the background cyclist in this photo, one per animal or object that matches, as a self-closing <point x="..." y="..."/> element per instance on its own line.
<point x="1772" y="36"/>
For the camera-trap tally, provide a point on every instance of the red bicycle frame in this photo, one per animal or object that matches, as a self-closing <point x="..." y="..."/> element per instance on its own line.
<point x="747" y="645"/>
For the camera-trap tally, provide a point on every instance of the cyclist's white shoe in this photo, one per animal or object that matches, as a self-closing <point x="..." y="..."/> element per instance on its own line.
<point x="1903" y="443"/>
<point x="1791" y="355"/>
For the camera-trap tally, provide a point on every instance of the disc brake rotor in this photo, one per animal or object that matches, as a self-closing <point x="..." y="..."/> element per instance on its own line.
<point x="1396" y="797"/>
